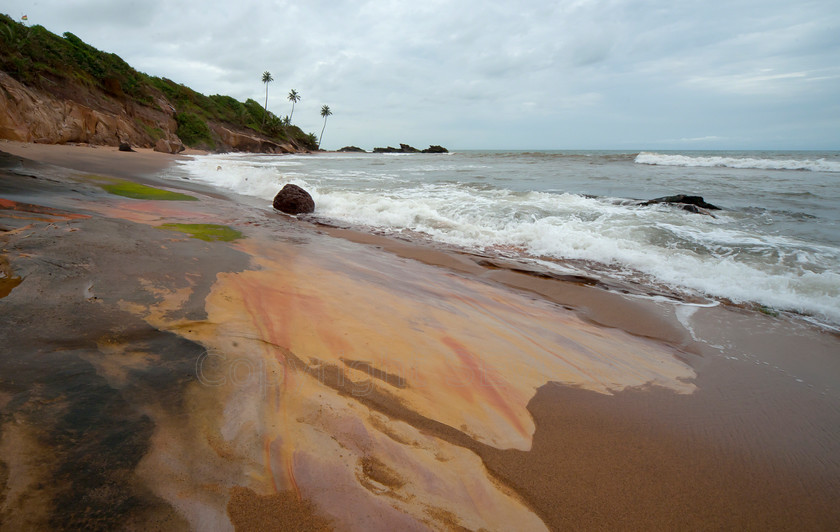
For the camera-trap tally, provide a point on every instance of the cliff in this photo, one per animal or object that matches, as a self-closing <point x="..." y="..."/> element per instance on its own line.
<point x="31" y="115"/>
<point x="60" y="90"/>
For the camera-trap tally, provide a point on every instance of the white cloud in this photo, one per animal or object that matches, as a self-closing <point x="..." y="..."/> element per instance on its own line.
<point x="763" y="81"/>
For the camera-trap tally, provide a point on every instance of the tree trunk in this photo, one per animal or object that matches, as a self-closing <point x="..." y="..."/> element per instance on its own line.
<point x="265" y="107"/>
<point x="322" y="132"/>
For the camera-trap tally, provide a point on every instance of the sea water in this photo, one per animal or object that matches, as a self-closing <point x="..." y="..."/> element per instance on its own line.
<point x="774" y="243"/>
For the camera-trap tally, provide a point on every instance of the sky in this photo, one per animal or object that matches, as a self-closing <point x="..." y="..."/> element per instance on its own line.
<point x="489" y="74"/>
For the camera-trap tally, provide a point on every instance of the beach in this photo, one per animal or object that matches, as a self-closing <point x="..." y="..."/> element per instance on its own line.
<point x="174" y="357"/>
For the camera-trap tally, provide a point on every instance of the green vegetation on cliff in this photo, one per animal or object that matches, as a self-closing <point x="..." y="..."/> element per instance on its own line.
<point x="192" y="130"/>
<point x="66" y="67"/>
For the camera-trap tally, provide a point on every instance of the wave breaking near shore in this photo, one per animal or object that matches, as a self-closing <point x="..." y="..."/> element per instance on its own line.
<point x="578" y="212"/>
<point x="758" y="163"/>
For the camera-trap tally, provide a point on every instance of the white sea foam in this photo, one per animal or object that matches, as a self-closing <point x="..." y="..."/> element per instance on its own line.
<point x="816" y="165"/>
<point x="714" y="256"/>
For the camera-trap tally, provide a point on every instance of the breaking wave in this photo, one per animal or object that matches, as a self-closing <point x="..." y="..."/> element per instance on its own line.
<point x="814" y="165"/>
<point x="729" y="256"/>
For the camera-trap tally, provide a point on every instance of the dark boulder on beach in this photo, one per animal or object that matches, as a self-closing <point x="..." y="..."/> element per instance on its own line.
<point x="695" y="204"/>
<point x="125" y="146"/>
<point x="294" y="200"/>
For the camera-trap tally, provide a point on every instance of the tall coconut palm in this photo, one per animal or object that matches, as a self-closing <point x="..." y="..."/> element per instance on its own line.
<point x="293" y="97"/>
<point x="325" y="112"/>
<point x="266" y="78"/>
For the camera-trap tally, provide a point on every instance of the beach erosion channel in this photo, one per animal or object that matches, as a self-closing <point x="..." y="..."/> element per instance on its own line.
<point x="174" y="358"/>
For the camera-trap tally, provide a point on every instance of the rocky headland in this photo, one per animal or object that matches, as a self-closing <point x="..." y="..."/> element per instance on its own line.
<point x="60" y="90"/>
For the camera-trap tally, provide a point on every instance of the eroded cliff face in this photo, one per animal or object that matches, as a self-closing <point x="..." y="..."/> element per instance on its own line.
<point x="76" y="114"/>
<point x="239" y="141"/>
<point x="31" y="115"/>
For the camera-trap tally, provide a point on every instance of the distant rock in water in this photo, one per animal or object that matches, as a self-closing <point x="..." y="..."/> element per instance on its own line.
<point x="405" y="148"/>
<point x="694" y="204"/>
<point x="435" y="149"/>
<point x="294" y="200"/>
<point x="352" y="149"/>
<point x="125" y="146"/>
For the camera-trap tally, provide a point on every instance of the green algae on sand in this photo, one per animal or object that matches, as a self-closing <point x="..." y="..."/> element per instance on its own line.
<point x="132" y="190"/>
<point x="206" y="232"/>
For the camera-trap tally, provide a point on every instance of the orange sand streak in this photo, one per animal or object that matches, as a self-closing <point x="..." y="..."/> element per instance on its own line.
<point x="487" y="378"/>
<point x="474" y="355"/>
<point x="431" y="329"/>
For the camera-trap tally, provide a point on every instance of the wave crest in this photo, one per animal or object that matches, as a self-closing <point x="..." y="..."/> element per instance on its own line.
<point x="814" y="165"/>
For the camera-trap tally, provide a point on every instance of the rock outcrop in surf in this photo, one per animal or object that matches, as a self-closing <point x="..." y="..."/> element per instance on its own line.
<point x="695" y="204"/>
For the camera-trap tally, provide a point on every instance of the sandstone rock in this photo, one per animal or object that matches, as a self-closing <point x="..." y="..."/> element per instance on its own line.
<point x="28" y="114"/>
<point x="237" y="141"/>
<point x="294" y="200"/>
<point x="169" y="146"/>
<point x="91" y="116"/>
<point x="405" y="148"/>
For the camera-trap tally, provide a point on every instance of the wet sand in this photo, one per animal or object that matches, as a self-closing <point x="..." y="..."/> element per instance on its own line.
<point x="316" y="377"/>
<point x="107" y="160"/>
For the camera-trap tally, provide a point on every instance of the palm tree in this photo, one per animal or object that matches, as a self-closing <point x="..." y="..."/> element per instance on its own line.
<point x="325" y="112"/>
<point x="266" y="78"/>
<point x="293" y="97"/>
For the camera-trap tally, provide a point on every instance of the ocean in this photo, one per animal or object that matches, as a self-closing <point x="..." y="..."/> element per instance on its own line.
<point x="775" y="243"/>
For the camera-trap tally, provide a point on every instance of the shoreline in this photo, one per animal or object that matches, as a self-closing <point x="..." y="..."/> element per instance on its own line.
<point x="92" y="158"/>
<point x="634" y="434"/>
<point x="651" y="251"/>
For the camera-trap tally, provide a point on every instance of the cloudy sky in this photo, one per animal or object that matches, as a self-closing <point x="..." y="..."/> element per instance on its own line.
<point x="567" y="74"/>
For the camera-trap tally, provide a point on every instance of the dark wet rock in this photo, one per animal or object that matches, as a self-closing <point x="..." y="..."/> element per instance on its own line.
<point x="352" y="149"/>
<point x="693" y="208"/>
<point x="125" y="146"/>
<point x="294" y="200"/>
<point x="434" y="148"/>
<point x="683" y="200"/>
<point x="405" y="148"/>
